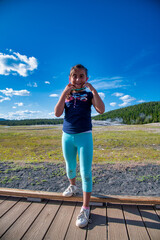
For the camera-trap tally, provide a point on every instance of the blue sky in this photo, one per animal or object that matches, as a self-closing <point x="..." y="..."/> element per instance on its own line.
<point x="118" y="41"/>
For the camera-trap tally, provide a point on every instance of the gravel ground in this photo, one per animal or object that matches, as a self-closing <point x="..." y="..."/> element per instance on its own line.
<point x="109" y="179"/>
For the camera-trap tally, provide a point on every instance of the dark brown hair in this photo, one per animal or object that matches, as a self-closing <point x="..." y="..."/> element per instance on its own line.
<point x="79" y="66"/>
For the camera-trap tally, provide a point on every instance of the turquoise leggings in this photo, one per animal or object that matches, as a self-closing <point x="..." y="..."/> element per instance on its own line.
<point x="83" y="144"/>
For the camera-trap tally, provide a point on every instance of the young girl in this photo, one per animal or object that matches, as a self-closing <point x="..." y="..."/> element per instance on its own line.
<point x="77" y="134"/>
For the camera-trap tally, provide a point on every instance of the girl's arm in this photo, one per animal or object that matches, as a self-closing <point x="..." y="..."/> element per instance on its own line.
<point x="96" y="100"/>
<point x="59" y="108"/>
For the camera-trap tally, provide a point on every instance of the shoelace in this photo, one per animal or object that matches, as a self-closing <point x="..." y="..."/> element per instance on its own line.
<point x="84" y="215"/>
<point x="70" y="188"/>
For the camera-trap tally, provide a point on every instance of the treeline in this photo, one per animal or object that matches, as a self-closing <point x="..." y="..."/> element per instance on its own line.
<point x="31" y="122"/>
<point x="137" y="114"/>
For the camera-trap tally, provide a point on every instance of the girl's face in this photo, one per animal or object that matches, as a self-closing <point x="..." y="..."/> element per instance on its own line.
<point x="78" y="78"/>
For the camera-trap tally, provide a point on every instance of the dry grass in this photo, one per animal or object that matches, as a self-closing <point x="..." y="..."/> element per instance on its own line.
<point x="112" y="144"/>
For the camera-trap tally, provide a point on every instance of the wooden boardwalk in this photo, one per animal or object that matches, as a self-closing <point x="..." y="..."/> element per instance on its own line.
<point x="55" y="220"/>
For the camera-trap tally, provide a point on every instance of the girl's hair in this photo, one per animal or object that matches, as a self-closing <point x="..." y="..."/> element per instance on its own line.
<point x="79" y="66"/>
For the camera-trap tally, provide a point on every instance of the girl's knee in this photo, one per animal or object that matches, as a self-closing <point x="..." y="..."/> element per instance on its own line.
<point x="86" y="178"/>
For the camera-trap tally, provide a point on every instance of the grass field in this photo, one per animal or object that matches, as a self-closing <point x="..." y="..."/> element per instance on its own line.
<point x="126" y="143"/>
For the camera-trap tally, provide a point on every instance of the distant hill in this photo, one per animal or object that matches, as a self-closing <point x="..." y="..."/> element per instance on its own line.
<point x="138" y="114"/>
<point x="32" y="122"/>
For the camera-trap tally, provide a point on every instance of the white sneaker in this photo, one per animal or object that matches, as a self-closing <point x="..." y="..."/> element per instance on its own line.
<point x="83" y="218"/>
<point x="70" y="191"/>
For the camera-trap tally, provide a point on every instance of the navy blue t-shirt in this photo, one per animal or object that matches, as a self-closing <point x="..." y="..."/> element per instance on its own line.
<point x="78" y="113"/>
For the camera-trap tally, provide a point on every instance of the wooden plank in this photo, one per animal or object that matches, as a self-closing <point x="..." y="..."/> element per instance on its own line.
<point x="116" y="223"/>
<point x="97" y="229"/>
<point x="43" y="221"/>
<point x="18" y="229"/>
<point x="157" y="211"/>
<point x="73" y="231"/>
<point x="97" y="198"/>
<point x="7" y="204"/>
<point x="61" y="222"/>
<point x="12" y="215"/>
<point x="2" y="198"/>
<point x="135" y="225"/>
<point x="151" y="220"/>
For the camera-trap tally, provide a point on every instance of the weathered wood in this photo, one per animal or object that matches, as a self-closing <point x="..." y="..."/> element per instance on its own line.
<point x="97" y="229"/>
<point x="2" y="199"/>
<point x="135" y="225"/>
<point x="40" y="226"/>
<point x="6" y="205"/>
<point x="12" y="215"/>
<point x="54" y="220"/>
<point x="73" y="231"/>
<point x="157" y="211"/>
<point x="98" y="198"/>
<point x="17" y="230"/>
<point x="116" y="223"/>
<point x="151" y="220"/>
<point x="59" y="226"/>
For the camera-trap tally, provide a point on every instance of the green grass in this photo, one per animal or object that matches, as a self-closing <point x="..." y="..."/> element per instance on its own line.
<point x="139" y="143"/>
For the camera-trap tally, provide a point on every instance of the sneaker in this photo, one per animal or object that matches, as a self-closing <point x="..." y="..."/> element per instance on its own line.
<point x="83" y="218"/>
<point x="70" y="191"/>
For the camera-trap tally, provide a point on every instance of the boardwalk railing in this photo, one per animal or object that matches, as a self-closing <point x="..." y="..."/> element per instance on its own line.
<point x="78" y="198"/>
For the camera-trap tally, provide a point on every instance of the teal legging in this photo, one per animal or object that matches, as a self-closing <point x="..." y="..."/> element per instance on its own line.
<point x="83" y="144"/>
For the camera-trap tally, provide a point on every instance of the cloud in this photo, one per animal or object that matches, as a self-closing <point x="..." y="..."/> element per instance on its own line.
<point x="54" y="95"/>
<point x="141" y="101"/>
<point x="10" y="92"/>
<point x="20" y="104"/>
<point x="107" y="83"/>
<point x="126" y="99"/>
<point x="32" y="84"/>
<point x="117" y="94"/>
<point x="47" y="82"/>
<point x="113" y="104"/>
<point x="22" y="114"/>
<point x="102" y="95"/>
<point x="2" y="99"/>
<point x="17" y="64"/>
<point x="51" y="114"/>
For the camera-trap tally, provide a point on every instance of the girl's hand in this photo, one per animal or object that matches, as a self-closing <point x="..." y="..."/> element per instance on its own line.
<point x="89" y="86"/>
<point x="68" y="88"/>
<point x="96" y="100"/>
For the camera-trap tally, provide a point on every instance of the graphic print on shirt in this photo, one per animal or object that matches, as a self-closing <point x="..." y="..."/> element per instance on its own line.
<point x="77" y="96"/>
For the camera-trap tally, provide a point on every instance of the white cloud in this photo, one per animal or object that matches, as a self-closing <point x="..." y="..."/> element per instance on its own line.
<point x="51" y="114"/>
<point x="126" y="99"/>
<point x="22" y="114"/>
<point x="107" y="83"/>
<point x="20" y="104"/>
<point x="32" y="84"/>
<point x="102" y="95"/>
<point x="54" y="95"/>
<point x="47" y="82"/>
<point x="113" y="104"/>
<point x="35" y="85"/>
<point x="10" y="92"/>
<point x="117" y="94"/>
<point x="17" y="64"/>
<point x="2" y="99"/>
<point x="141" y="101"/>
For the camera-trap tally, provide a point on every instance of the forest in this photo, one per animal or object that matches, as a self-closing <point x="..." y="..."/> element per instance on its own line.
<point x="31" y="122"/>
<point x="137" y="114"/>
